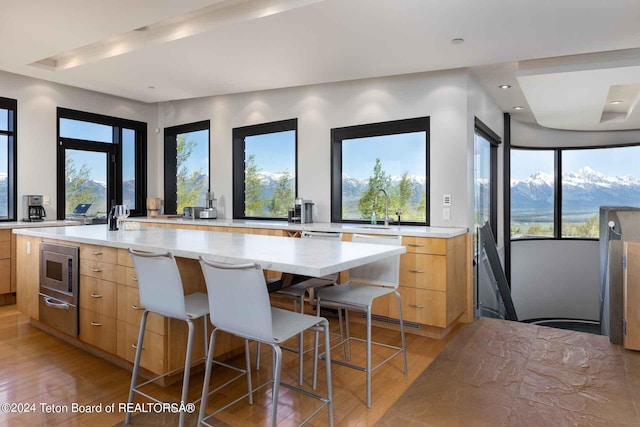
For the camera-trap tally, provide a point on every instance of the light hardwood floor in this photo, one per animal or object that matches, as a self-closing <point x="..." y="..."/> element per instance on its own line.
<point x="36" y="368"/>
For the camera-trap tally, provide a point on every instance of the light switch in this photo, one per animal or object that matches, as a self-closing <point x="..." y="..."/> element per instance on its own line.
<point x="446" y="200"/>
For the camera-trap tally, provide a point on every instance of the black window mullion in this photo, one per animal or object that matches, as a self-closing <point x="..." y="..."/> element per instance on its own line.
<point x="557" y="198"/>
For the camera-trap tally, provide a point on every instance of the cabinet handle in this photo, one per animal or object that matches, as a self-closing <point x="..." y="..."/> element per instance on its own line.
<point x="135" y="346"/>
<point x="415" y="245"/>
<point x="96" y="324"/>
<point x="135" y="307"/>
<point x="96" y="295"/>
<point x="416" y="306"/>
<point x="97" y="253"/>
<point x="96" y="269"/>
<point x="134" y="278"/>
<point x="416" y="271"/>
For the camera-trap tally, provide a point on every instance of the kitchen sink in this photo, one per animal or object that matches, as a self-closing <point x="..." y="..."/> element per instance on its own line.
<point x="375" y="227"/>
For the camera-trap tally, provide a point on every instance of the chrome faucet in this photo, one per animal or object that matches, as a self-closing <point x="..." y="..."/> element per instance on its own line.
<point x="386" y="205"/>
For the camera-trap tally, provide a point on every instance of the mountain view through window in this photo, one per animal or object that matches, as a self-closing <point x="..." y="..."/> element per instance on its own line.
<point x="590" y="178"/>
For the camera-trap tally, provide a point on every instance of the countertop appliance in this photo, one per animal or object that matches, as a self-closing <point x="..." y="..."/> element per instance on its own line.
<point x="211" y="210"/>
<point x="84" y="213"/>
<point x="302" y="212"/>
<point x="191" y="212"/>
<point x="59" y="275"/>
<point x="32" y="208"/>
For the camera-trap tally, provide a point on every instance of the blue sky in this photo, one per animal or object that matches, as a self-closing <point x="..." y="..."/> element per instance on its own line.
<point x="399" y="154"/>
<point x="609" y="161"/>
<point x="199" y="158"/>
<point x="274" y="152"/>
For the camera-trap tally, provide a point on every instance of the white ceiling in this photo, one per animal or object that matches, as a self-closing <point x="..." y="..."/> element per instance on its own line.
<point x="195" y="48"/>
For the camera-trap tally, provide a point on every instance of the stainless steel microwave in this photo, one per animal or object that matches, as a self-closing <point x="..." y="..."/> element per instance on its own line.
<point x="59" y="271"/>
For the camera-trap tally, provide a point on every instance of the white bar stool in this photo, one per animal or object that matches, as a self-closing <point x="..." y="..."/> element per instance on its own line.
<point x="298" y="292"/>
<point x="366" y="283"/>
<point x="161" y="292"/>
<point x="240" y="306"/>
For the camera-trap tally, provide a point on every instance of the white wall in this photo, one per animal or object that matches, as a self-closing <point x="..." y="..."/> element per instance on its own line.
<point x="558" y="278"/>
<point x="319" y="108"/>
<point x="36" y="133"/>
<point x="555" y="278"/>
<point x="480" y="105"/>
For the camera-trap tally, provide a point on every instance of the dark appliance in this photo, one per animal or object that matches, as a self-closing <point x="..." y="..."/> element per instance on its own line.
<point x="59" y="274"/>
<point x="32" y="208"/>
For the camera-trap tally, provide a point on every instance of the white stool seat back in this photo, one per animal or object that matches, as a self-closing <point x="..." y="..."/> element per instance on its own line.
<point x="161" y="289"/>
<point x="238" y="299"/>
<point x="385" y="272"/>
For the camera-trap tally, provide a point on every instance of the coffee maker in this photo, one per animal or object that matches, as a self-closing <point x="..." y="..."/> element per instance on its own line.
<point x="32" y="208"/>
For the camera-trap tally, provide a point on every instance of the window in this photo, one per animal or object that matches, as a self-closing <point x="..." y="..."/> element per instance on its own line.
<point x="393" y="156"/>
<point x="186" y="166"/>
<point x="265" y="169"/>
<point x="544" y="206"/>
<point x="485" y="172"/>
<point x="8" y="159"/>
<point x="597" y="177"/>
<point x="532" y="193"/>
<point x="101" y="160"/>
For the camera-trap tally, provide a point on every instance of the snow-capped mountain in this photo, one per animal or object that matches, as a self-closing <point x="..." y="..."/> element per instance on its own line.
<point x="583" y="189"/>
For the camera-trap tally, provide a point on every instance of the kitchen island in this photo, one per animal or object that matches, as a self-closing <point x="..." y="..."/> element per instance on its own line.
<point x="109" y="303"/>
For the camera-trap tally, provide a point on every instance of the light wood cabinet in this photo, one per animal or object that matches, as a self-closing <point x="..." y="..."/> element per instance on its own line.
<point x="7" y="279"/>
<point x="98" y="296"/>
<point x="98" y="330"/>
<point x="28" y="275"/>
<point x="153" y="351"/>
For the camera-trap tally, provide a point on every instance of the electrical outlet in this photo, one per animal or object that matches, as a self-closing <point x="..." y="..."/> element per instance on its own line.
<point x="28" y="248"/>
<point x="446" y="214"/>
<point x="446" y="200"/>
<point x="46" y="201"/>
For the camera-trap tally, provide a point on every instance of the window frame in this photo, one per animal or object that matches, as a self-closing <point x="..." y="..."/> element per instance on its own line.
<point x="12" y="157"/>
<point x="557" y="188"/>
<point x="239" y="135"/>
<point x="494" y="142"/>
<point x="114" y="150"/>
<point x="171" y="161"/>
<point x="417" y="124"/>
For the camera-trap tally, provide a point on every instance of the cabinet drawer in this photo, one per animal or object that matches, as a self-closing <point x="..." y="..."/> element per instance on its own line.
<point x="423" y="245"/>
<point x="153" y="348"/>
<point x="127" y="276"/>
<point x="99" y="253"/>
<point x="98" y="330"/>
<point x="124" y="258"/>
<point x="423" y="271"/>
<point x="5" y="276"/>
<point x="5" y="235"/>
<point x="130" y="311"/>
<point x="421" y="306"/>
<point x="97" y="269"/>
<point x="5" y="249"/>
<point x="98" y="295"/>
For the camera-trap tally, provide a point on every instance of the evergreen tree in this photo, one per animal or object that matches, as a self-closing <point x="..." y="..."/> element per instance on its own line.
<point x="405" y="191"/>
<point x="422" y="206"/>
<point x="378" y="180"/>
<point x="191" y="186"/>
<point x="75" y="185"/>
<point x="254" y="205"/>
<point x="282" y="196"/>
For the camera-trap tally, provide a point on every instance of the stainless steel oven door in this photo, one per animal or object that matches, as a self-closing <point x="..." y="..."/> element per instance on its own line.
<point x="59" y="314"/>
<point x="59" y="272"/>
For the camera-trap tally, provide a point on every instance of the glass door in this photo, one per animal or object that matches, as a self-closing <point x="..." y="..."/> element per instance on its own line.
<point x="87" y="178"/>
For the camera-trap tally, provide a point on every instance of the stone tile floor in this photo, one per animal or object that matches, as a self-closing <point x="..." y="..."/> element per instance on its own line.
<point x="500" y="373"/>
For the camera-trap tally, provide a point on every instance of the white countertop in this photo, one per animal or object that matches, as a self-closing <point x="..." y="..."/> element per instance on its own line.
<point x="311" y="257"/>
<point x="402" y="230"/>
<point x="37" y="224"/>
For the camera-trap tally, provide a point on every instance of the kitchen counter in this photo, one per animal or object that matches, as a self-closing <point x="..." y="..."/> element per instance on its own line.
<point x="36" y="224"/>
<point x="403" y="230"/>
<point x="311" y="257"/>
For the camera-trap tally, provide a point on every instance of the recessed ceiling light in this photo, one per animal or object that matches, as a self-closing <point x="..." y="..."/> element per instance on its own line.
<point x="615" y="102"/>
<point x="505" y="86"/>
<point x="151" y="87"/>
<point x="518" y="108"/>
<point x="457" y="41"/>
<point x="145" y="28"/>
